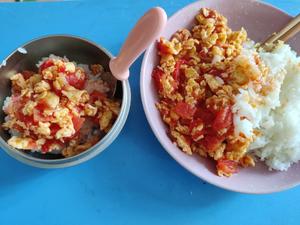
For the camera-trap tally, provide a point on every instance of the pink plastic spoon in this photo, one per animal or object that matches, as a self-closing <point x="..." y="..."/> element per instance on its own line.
<point x="143" y="34"/>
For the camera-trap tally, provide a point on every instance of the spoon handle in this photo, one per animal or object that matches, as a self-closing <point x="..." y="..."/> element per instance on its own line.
<point x="143" y="34"/>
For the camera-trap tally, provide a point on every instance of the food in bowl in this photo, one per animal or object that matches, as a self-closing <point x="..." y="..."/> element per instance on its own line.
<point x="62" y="108"/>
<point x="223" y="97"/>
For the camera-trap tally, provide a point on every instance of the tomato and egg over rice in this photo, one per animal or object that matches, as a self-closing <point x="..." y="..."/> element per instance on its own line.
<point x="61" y="108"/>
<point x="200" y="75"/>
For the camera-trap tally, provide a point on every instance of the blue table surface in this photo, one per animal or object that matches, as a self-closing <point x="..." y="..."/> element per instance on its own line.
<point x="134" y="181"/>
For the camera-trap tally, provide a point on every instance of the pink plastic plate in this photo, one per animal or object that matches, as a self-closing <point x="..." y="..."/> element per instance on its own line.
<point x="259" y="20"/>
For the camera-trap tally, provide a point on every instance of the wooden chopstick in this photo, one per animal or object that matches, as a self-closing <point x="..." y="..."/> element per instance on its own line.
<point x="287" y="32"/>
<point x="290" y="33"/>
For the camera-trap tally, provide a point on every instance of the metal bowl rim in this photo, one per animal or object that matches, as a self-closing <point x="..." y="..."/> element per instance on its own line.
<point x="95" y="149"/>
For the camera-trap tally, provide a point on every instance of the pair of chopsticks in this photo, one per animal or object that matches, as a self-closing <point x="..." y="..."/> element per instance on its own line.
<point x="291" y="29"/>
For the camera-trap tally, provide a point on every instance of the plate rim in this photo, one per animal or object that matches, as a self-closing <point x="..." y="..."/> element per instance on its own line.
<point x="157" y="135"/>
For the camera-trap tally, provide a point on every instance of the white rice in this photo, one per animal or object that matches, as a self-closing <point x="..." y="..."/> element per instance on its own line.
<point x="6" y="103"/>
<point x="279" y="118"/>
<point x="51" y="56"/>
<point x="94" y="82"/>
<point x="12" y="132"/>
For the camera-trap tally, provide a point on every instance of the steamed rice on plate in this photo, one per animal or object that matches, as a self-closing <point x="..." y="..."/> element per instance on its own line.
<point x="62" y="108"/>
<point x="223" y="97"/>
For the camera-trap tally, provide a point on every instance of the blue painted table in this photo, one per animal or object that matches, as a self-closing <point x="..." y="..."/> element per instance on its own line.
<point x="134" y="181"/>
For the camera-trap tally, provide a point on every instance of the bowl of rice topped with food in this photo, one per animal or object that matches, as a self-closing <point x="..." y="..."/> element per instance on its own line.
<point x="65" y="99"/>
<point x="224" y="107"/>
<point x="59" y="105"/>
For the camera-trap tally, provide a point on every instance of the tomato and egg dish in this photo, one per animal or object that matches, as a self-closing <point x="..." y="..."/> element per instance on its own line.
<point x="62" y="108"/>
<point x="195" y="83"/>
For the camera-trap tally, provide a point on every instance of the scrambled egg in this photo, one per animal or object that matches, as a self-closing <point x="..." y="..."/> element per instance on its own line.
<point x="48" y="109"/>
<point x="198" y="74"/>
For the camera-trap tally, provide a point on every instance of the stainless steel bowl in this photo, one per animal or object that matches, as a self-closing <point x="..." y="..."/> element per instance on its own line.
<point x="75" y="49"/>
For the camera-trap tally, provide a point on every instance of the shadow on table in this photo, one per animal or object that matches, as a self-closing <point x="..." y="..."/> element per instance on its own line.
<point x="13" y="174"/>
